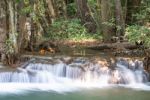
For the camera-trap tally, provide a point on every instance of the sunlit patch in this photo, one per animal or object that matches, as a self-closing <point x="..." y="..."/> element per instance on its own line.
<point x="52" y="50"/>
<point x="42" y="51"/>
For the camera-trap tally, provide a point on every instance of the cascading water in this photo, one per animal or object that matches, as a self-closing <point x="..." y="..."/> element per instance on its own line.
<point x="79" y="72"/>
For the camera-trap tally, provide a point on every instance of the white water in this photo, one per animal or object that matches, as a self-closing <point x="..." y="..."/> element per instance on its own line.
<point x="77" y="75"/>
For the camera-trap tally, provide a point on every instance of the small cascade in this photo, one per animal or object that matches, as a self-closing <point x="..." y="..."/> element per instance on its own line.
<point x="78" y="70"/>
<point x="131" y="72"/>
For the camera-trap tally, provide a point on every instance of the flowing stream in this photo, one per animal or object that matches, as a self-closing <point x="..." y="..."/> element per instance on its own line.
<point x="78" y="78"/>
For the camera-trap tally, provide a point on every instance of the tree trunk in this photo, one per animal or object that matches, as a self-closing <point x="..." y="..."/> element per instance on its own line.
<point x="98" y="17"/>
<point x="9" y="25"/>
<point x="120" y="25"/>
<point x="3" y="28"/>
<point x="51" y="10"/>
<point x="13" y="29"/>
<point x="105" y="18"/>
<point x="60" y="8"/>
<point x="83" y="13"/>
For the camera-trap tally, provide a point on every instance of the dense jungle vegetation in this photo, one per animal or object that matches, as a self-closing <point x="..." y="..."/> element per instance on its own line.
<point x="25" y="24"/>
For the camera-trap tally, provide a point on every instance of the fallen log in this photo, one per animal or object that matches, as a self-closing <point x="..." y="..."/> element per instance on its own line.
<point x="114" y="46"/>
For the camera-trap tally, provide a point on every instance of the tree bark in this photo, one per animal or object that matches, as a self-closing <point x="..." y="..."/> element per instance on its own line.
<point x="105" y="18"/>
<point x="3" y="28"/>
<point x="120" y="25"/>
<point x="60" y="8"/>
<point x="13" y="29"/>
<point x="51" y="10"/>
<point x="83" y="13"/>
<point x="9" y="31"/>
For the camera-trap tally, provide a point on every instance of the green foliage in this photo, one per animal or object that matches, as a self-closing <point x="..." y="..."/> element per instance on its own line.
<point x="137" y="33"/>
<point x="40" y="10"/>
<point x="111" y="23"/>
<point x="142" y="16"/>
<point x="27" y="9"/>
<point x="9" y="47"/>
<point x="35" y="10"/>
<point x="92" y="3"/>
<point x="95" y="13"/>
<point x="10" y="44"/>
<point x="140" y="31"/>
<point x="71" y="9"/>
<point x="70" y="29"/>
<point x="17" y="1"/>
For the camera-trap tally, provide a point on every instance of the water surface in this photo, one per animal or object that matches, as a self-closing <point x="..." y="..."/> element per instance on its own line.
<point x="92" y="94"/>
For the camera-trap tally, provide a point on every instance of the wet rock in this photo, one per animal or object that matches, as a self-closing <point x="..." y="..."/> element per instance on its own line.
<point x="146" y="76"/>
<point x="132" y="65"/>
<point x="122" y="61"/>
<point x="21" y="70"/>
<point x="80" y="60"/>
<point x="31" y="72"/>
<point x="117" y="78"/>
<point x="67" y="60"/>
<point x="138" y="65"/>
<point x="147" y="63"/>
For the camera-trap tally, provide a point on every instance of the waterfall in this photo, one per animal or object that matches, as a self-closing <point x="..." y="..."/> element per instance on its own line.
<point x="81" y="72"/>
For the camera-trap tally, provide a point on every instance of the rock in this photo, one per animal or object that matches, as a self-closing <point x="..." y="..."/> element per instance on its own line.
<point x="138" y="65"/>
<point x="48" y="46"/>
<point x="20" y="70"/>
<point x="124" y="62"/>
<point x="147" y="63"/>
<point x="27" y="63"/>
<point x="132" y="65"/>
<point x="31" y="72"/>
<point x="67" y="60"/>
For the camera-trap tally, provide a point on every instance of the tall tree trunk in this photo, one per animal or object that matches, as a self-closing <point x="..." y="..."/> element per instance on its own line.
<point x="98" y="17"/>
<point x="3" y="28"/>
<point x="22" y="28"/>
<point x="105" y="18"/>
<point x="13" y="24"/>
<point x="120" y="25"/>
<point x="60" y="8"/>
<point x="84" y="14"/>
<point x="10" y="25"/>
<point x="34" y="27"/>
<point x="51" y="10"/>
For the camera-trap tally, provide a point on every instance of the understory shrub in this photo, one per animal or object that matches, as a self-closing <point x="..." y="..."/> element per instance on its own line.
<point x="137" y="33"/>
<point x="71" y="29"/>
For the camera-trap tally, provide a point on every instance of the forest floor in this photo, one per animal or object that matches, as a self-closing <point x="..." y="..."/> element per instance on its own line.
<point x="72" y="43"/>
<point x="99" y="45"/>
